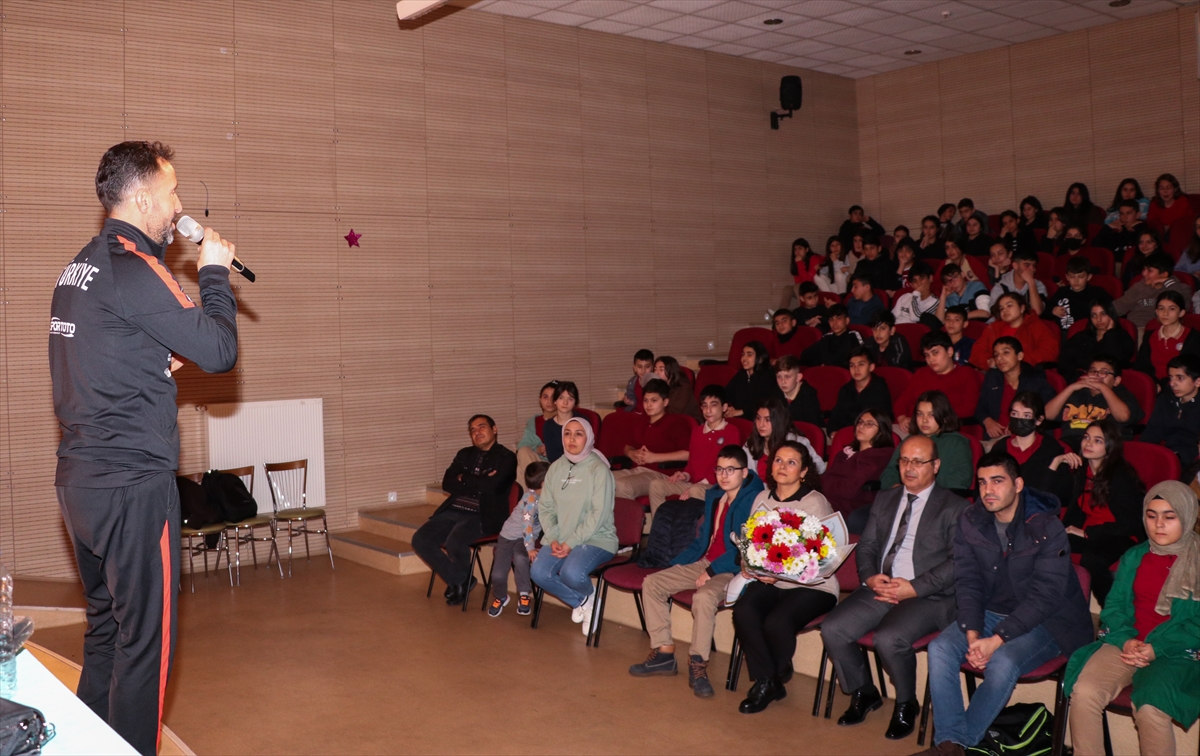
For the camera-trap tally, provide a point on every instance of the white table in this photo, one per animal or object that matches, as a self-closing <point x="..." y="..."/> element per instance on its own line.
<point x="79" y="730"/>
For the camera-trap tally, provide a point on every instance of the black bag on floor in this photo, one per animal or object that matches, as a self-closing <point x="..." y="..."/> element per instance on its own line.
<point x="1019" y="730"/>
<point x="672" y="531"/>
<point x="229" y="495"/>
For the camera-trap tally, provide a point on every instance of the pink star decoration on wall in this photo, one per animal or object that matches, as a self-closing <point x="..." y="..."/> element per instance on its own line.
<point x="352" y="238"/>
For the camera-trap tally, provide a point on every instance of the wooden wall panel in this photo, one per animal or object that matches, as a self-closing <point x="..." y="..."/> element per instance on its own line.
<point x="910" y="150"/>
<point x="535" y="202"/>
<point x="1189" y="98"/>
<point x="977" y="131"/>
<point x="868" y="143"/>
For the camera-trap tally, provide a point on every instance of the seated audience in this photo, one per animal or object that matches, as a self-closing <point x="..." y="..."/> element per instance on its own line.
<point x="803" y="263"/>
<point x="783" y="334"/>
<point x="1103" y="336"/>
<point x="852" y="477"/>
<point x="1000" y="263"/>
<point x="911" y="306"/>
<point x="1019" y="603"/>
<point x="530" y="449"/>
<point x="955" y="323"/>
<point x="753" y="384"/>
<point x="1071" y="302"/>
<point x="1014" y="319"/>
<point x="1122" y="236"/>
<point x="834" y="347"/>
<point x="907" y="571"/>
<point x="772" y="426"/>
<point x="478" y="482"/>
<point x="706" y="566"/>
<point x="1128" y="189"/>
<point x="1171" y="339"/>
<point x="708" y="438"/>
<point x="1102" y="514"/>
<point x="833" y="275"/>
<point x="643" y="369"/>
<point x="578" y="530"/>
<point x="770" y="612"/>
<point x="1097" y="394"/>
<point x="900" y="233"/>
<point x="864" y="391"/>
<point x="1010" y="376"/>
<point x="955" y="256"/>
<point x="1022" y="279"/>
<point x="516" y="546"/>
<point x="929" y="246"/>
<point x="1073" y="240"/>
<point x="942" y="374"/>
<point x="1078" y="209"/>
<point x="1035" y="451"/>
<point x="1055" y="228"/>
<point x="875" y="267"/>
<point x="858" y="222"/>
<point x="1010" y="233"/>
<point x="957" y="291"/>
<point x="1033" y="218"/>
<point x="1147" y="244"/>
<point x="811" y="311"/>
<point x="975" y="240"/>
<point x="935" y="419"/>
<point x="945" y="216"/>
<point x="566" y="397"/>
<point x="889" y="349"/>
<point x="1189" y="261"/>
<point x="683" y="393"/>
<point x="1140" y="302"/>
<point x="656" y="439"/>
<point x="800" y="397"/>
<point x="967" y="211"/>
<point x="1147" y="633"/>
<point x="905" y="254"/>
<point x="1175" y="421"/>
<point x="1169" y="203"/>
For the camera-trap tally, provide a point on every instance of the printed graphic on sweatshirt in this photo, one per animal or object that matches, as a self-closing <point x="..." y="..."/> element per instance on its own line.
<point x="1079" y="416"/>
<point x="77" y="274"/>
<point x="62" y="328"/>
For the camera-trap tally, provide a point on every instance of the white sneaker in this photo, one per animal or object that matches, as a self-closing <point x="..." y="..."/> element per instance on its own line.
<point x="577" y="614"/>
<point x="586" y="607"/>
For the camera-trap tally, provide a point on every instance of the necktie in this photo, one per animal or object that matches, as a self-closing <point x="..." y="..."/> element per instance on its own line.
<point x="901" y="531"/>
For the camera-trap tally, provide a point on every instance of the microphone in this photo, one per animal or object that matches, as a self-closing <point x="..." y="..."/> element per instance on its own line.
<point x="194" y="231"/>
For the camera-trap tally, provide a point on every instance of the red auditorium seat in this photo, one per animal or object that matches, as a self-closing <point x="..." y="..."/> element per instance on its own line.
<point x="815" y="436"/>
<point x="1143" y="389"/>
<point x="912" y="333"/>
<point x="743" y="337"/>
<point x="897" y="379"/>
<point x="827" y="380"/>
<point x="1111" y="284"/>
<point x="714" y="374"/>
<point x="1153" y="463"/>
<point x="803" y="338"/>
<point x="845" y="436"/>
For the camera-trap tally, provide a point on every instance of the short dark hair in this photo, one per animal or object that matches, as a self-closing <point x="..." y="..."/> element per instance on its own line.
<point x="1015" y="296"/>
<point x="944" y="207"/>
<point x="125" y="165"/>
<point x="854" y="208"/>
<point x="837" y="310"/>
<point x="1009" y="341"/>
<point x="1025" y="254"/>
<point x="950" y="270"/>
<point x="1109" y="360"/>
<point x="566" y="387"/>
<point x="475" y="417"/>
<point x="1160" y="261"/>
<point x="1130" y="203"/>
<point x="734" y="452"/>
<point x="535" y="475"/>
<point x="1000" y="458"/>
<point x="883" y="317"/>
<point x="548" y="385"/>
<point x="862" y="351"/>
<point x="1079" y="264"/>
<point x="808" y="287"/>
<point x="966" y="202"/>
<point x="1033" y="401"/>
<point x="788" y="362"/>
<point x="943" y="412"/>
<point x="872" y="239"/>
<point x="643" y="355"/>
<point x="657" y="386"/>
<point x="783" y="311"/>
<point x="936" y="339"/>
<point x="960" y="310"/>
<point x="861" y="278"/>
<point x="1173" y="297"/>
<point x="1188" y="363"/>
<point x="714" y="391"/>
<point x="920" y="269"/>
<point x="1009" y="214"/>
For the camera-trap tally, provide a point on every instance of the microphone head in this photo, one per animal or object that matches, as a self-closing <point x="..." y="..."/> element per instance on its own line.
<point x="190" y="228"/>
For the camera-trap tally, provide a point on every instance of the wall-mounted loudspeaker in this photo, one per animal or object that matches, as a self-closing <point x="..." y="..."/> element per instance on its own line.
<point x="791" y="94"/>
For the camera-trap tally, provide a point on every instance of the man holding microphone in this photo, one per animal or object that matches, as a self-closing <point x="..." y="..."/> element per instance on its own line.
<point x="118" y="318"/>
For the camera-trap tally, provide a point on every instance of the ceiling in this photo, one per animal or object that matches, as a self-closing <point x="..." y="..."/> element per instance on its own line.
<point x="852" y="38"/>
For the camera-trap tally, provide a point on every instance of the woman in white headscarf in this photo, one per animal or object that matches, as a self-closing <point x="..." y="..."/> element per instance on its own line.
<point x="578" y="530"/>
<point x="1149" y="632"/>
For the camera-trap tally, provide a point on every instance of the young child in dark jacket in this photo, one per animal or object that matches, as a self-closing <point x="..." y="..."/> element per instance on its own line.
<point x="516" y="547"/>
<point x="1019" y="600"/>
<point x="1012" y="375"/>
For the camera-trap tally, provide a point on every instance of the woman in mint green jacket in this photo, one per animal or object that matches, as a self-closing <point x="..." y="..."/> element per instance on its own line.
<point x="1149" y="632"/>
<point x="578" y="530"/>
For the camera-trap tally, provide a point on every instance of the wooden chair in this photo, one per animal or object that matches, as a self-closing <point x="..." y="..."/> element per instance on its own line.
<point x="288" y="482"/>
<point x="250" y="526"/>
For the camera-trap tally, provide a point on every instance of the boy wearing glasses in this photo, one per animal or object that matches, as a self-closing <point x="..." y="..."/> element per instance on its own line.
<point x="1095" y="396"/>
<point x="707" y="566"/>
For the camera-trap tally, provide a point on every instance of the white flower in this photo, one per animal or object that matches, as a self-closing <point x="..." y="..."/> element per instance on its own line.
<point x="785" y="537"/>
<point x="811" y="528"/>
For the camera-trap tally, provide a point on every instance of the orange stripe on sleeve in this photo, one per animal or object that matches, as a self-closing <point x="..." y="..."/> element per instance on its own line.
<point x="164" y="661"/>
<point x="160" y="271"/>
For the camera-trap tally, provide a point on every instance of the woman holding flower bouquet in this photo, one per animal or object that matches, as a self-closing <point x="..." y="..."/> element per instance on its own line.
<point x="772" y="610"/>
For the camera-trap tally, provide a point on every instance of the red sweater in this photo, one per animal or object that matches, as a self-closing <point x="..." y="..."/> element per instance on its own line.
<point x="960" y="385"/>
<point x="1147" y="584"/>
<point x="1038" y="341"/>
<point x="704" y="447"/>
<point x="1163" y="350"/>
<point x="1161" y="217"/>
<point x="806" y="270"/>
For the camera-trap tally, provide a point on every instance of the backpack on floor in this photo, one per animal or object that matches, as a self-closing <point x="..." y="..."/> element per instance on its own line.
<point x="672" y="531"/>
<point x="229" y="495"/>
<point x="1020" y="730"/>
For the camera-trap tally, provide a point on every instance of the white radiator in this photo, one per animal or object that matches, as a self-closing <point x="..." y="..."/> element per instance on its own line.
<point x="253" y="433"/>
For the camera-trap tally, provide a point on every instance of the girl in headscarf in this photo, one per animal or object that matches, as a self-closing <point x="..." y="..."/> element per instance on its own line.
<point x="578" y="530"/>
<point x="1149" y="632"/>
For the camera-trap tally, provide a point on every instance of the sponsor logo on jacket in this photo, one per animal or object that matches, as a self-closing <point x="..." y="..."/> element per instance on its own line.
<point x="62" y="328"/>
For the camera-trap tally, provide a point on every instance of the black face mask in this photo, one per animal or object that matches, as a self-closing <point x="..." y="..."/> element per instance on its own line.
<point x="1022" y="426"/>
<point x="1073" y="244"/>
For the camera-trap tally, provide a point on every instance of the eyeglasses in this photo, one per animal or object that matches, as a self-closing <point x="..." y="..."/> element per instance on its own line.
<point x="906" y="462"/>
<point x="727" y="470"/>
<point x="1100" y="373"/>
<point x="867" y="424"/>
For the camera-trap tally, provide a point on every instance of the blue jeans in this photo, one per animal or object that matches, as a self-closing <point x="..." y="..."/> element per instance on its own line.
<point x="568" y="580"/>
<point x="1014" y="658"/>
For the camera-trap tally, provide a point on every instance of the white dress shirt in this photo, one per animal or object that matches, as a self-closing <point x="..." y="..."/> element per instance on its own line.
<point x="902" y="566"/>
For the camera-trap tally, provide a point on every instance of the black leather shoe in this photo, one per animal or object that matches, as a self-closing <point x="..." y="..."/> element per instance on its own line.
<point x="449" y="591"/>
<point x="455" y="595"/>
<point x="862" y="702"/>
<point x="761" y="694"/>
<point x="462" y="591"/>
<point x="904" y="719"/>
<point x="786" y="677"/>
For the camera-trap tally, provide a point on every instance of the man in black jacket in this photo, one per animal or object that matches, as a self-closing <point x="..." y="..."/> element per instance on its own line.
<point x="1020" y="604"/>
<point x="118" y="318"/>
<point x="905" y="566"/>
<point x="479" y="481"/>
<point x="834" y="348"/>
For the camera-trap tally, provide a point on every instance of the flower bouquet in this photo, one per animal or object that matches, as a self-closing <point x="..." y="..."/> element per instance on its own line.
<point x="790" y="545"/>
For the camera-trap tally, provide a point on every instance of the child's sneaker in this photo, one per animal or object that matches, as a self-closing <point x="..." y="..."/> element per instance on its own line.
<point x="524" y="602"/>
<point x="497" y="606"/>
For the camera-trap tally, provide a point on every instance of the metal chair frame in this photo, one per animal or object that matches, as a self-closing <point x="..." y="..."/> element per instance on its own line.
<point x="281" y="514"/>
<point x="250" y="526"/>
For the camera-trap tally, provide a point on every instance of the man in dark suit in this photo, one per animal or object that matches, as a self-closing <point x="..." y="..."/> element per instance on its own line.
<point x="905" y="562"/>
